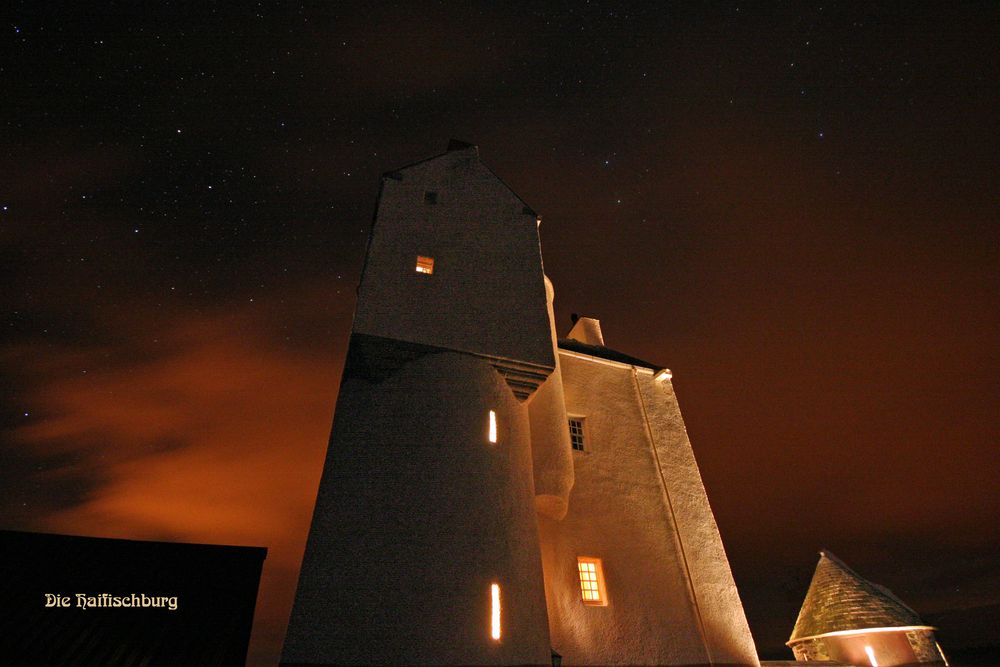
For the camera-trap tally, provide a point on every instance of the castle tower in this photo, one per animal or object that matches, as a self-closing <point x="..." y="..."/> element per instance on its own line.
<point x="491" y="493"/>
<point x="424" y="544"/>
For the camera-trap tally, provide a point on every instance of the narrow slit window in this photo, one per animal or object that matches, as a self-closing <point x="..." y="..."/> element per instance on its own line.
<point x="591" y="581"/>
<point x="495" y="611"/>
<point x="425" y="264"/>
<point x="576" y="433"/>
<point x="493" y="426"/>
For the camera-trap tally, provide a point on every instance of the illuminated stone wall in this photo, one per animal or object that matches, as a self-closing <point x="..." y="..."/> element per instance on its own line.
<point x="811" y="649"/>
<point x="924" y="646"/>
<point x="889" y="648"/>
<point x="550" y="445"/>
<point x="639" y="505"/>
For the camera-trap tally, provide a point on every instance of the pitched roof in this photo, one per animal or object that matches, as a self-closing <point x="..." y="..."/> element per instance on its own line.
<point x="840" y="599"/>
<point x="574" y="345"/>
<point x="458" y="146"/>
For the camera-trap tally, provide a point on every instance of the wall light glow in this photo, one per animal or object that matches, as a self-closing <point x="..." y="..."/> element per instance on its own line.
<point x="495" y="616"/>
<point x="493" y="426"/>
<point x="871" y="656"/>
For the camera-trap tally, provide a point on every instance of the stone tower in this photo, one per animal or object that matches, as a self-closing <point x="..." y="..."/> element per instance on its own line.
<point x="491" y="493"/>
<point x="426" y="500"/>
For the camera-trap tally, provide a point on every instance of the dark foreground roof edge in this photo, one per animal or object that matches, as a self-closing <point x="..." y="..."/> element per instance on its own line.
<point x="168" y="543"/>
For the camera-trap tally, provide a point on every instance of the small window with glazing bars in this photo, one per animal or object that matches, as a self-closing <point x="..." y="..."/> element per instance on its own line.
<point x="591" y="581"/>
<point x="576" y="433"/>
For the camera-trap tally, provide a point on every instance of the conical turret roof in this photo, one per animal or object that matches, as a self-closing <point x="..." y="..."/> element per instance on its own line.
<point x="839" y="599"/>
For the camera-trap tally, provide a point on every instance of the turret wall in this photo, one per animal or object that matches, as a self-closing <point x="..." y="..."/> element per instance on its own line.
<point x="418" y="515"/>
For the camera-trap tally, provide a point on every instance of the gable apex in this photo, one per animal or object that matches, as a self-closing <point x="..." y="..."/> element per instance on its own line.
<point x="462" y="151"/>
<point x="458" y="145"/>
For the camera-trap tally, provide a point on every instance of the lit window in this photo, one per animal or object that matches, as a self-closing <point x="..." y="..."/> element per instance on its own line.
<point x="576" y="433"/>
<point x="495" y="611"/>
<point x="493" y="426"/>
<point x="591" y="581"/>
<point x="425" y="264"/>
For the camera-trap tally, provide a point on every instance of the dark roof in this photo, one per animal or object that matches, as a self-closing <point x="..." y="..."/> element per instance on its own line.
<point x="453" y="145"/>
<point x="459" y="145"/>
<point x="840" y="599"/>
<point x="574" y="345"/>
<point x="215" y="588"/>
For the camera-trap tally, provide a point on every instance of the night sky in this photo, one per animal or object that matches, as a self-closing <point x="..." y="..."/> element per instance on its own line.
<point x="793" y="205"/>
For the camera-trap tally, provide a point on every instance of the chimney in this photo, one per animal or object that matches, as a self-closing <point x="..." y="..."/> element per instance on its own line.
<point x="587" y="330"/>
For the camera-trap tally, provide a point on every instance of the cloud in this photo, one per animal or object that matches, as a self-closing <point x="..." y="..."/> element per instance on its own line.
<point x="206" y="430"/>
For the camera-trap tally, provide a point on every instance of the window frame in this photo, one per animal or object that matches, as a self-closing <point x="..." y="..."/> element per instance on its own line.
<point x="600" y="586"/>
<point x="584" y="434"/>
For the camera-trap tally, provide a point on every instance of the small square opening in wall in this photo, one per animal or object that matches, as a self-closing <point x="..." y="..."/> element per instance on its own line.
<point x="576" y="437"/>
<point x="425" y="264"/>
<point x="430" y="197"/>
<point x="592" y="581"/>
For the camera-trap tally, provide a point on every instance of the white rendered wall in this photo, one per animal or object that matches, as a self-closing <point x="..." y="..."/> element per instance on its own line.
<point x="890" y="648"/>
<point x="551" y="450"/>
<point x="671" y="597"/>
<point x="726" y="629"/>
<point x="417" y="515"/>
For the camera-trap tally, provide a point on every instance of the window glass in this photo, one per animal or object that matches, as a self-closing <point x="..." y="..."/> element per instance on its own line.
<point x="576" y="433"/>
